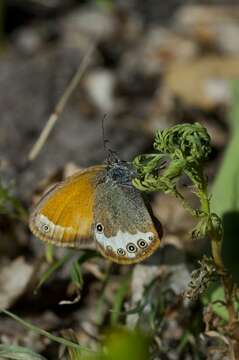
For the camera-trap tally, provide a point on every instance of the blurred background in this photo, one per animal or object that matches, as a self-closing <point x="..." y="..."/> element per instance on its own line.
<point x="155" y="64"/>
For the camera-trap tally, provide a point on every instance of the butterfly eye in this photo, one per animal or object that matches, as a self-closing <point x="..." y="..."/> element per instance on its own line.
<point x="121" y="252"/>
<point x="131" y="248"/>
<point x="45" y="228"/>
<point x="142" y="243"/>
<point x="99" y="228"/>
<point x="151" y="237"/>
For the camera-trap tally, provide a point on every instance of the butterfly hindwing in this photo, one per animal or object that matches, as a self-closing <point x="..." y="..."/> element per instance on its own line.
<point x="123" y="227"/>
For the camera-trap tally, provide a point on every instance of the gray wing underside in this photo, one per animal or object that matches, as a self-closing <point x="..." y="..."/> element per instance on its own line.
<point x="129" y="234"/>
<point x="120" y="207"/>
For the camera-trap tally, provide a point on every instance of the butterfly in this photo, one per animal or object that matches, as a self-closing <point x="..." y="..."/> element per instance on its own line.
<point x="99" y="205"/>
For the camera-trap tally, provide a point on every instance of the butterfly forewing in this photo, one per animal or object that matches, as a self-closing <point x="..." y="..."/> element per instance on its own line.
<point x="64" y="215"/>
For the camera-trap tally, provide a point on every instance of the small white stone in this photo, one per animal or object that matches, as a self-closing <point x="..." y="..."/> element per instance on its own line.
<point x="100" y="86"/>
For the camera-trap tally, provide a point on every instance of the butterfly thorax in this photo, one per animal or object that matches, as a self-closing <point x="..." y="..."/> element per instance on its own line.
<point x="121" y="173"/>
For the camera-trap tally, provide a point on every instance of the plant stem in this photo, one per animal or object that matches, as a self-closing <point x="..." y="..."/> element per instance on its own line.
<point x="216" y="237"/>
<point x="216" y="254"/>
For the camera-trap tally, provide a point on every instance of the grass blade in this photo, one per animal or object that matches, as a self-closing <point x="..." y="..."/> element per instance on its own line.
<point x="118" y="301"/>
<point x="18" y="353"/>
<point x="225" y="191"/>
<point x="52" y="268"/>
<point x="45" y="333"/>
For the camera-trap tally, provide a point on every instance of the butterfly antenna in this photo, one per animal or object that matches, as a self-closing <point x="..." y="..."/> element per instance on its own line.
<point x="111" y="155"/>
<point x="105" y="141"/>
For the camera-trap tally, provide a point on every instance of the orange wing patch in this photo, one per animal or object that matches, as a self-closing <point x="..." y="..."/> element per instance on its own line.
<point x="64" y="215"/>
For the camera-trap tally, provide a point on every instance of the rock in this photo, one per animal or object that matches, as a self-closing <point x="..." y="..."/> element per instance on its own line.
<point x="96" y="23"/>
<point x="202" y="83"/>
<point x="142" y="276"/>
<point x="160" y="46"/>
<point x="100" y="87"/>
<point x="214" y="27"/>
<point x="14" y="278"/>
<point x="28" y="41"/>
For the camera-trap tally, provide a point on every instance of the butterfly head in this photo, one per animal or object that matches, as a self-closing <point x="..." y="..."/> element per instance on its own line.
<point x="120" y="172"/>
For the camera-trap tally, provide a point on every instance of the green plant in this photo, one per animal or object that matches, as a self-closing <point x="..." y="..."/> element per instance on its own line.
<point x="225" y="200"/>
<point x="180" y="151"/>
<point x="18" y="353"/>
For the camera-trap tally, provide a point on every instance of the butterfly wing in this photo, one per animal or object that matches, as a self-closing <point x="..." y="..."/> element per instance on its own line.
<point x="64" y="215"/>
<point x="124" y="229"/>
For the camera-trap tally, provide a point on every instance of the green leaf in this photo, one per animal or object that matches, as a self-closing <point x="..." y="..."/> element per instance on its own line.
<point x="122" y="344"/>
<point x="18" y="353"/>
<point x="56" y="265"/>
<point x="53" y="268"/>
<point x="118" y="300"/>
<point x="215" y="297"/>
<point x="226" y="186"/>
<point x="76" y="275"/>
<point x="225" y="191"/>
